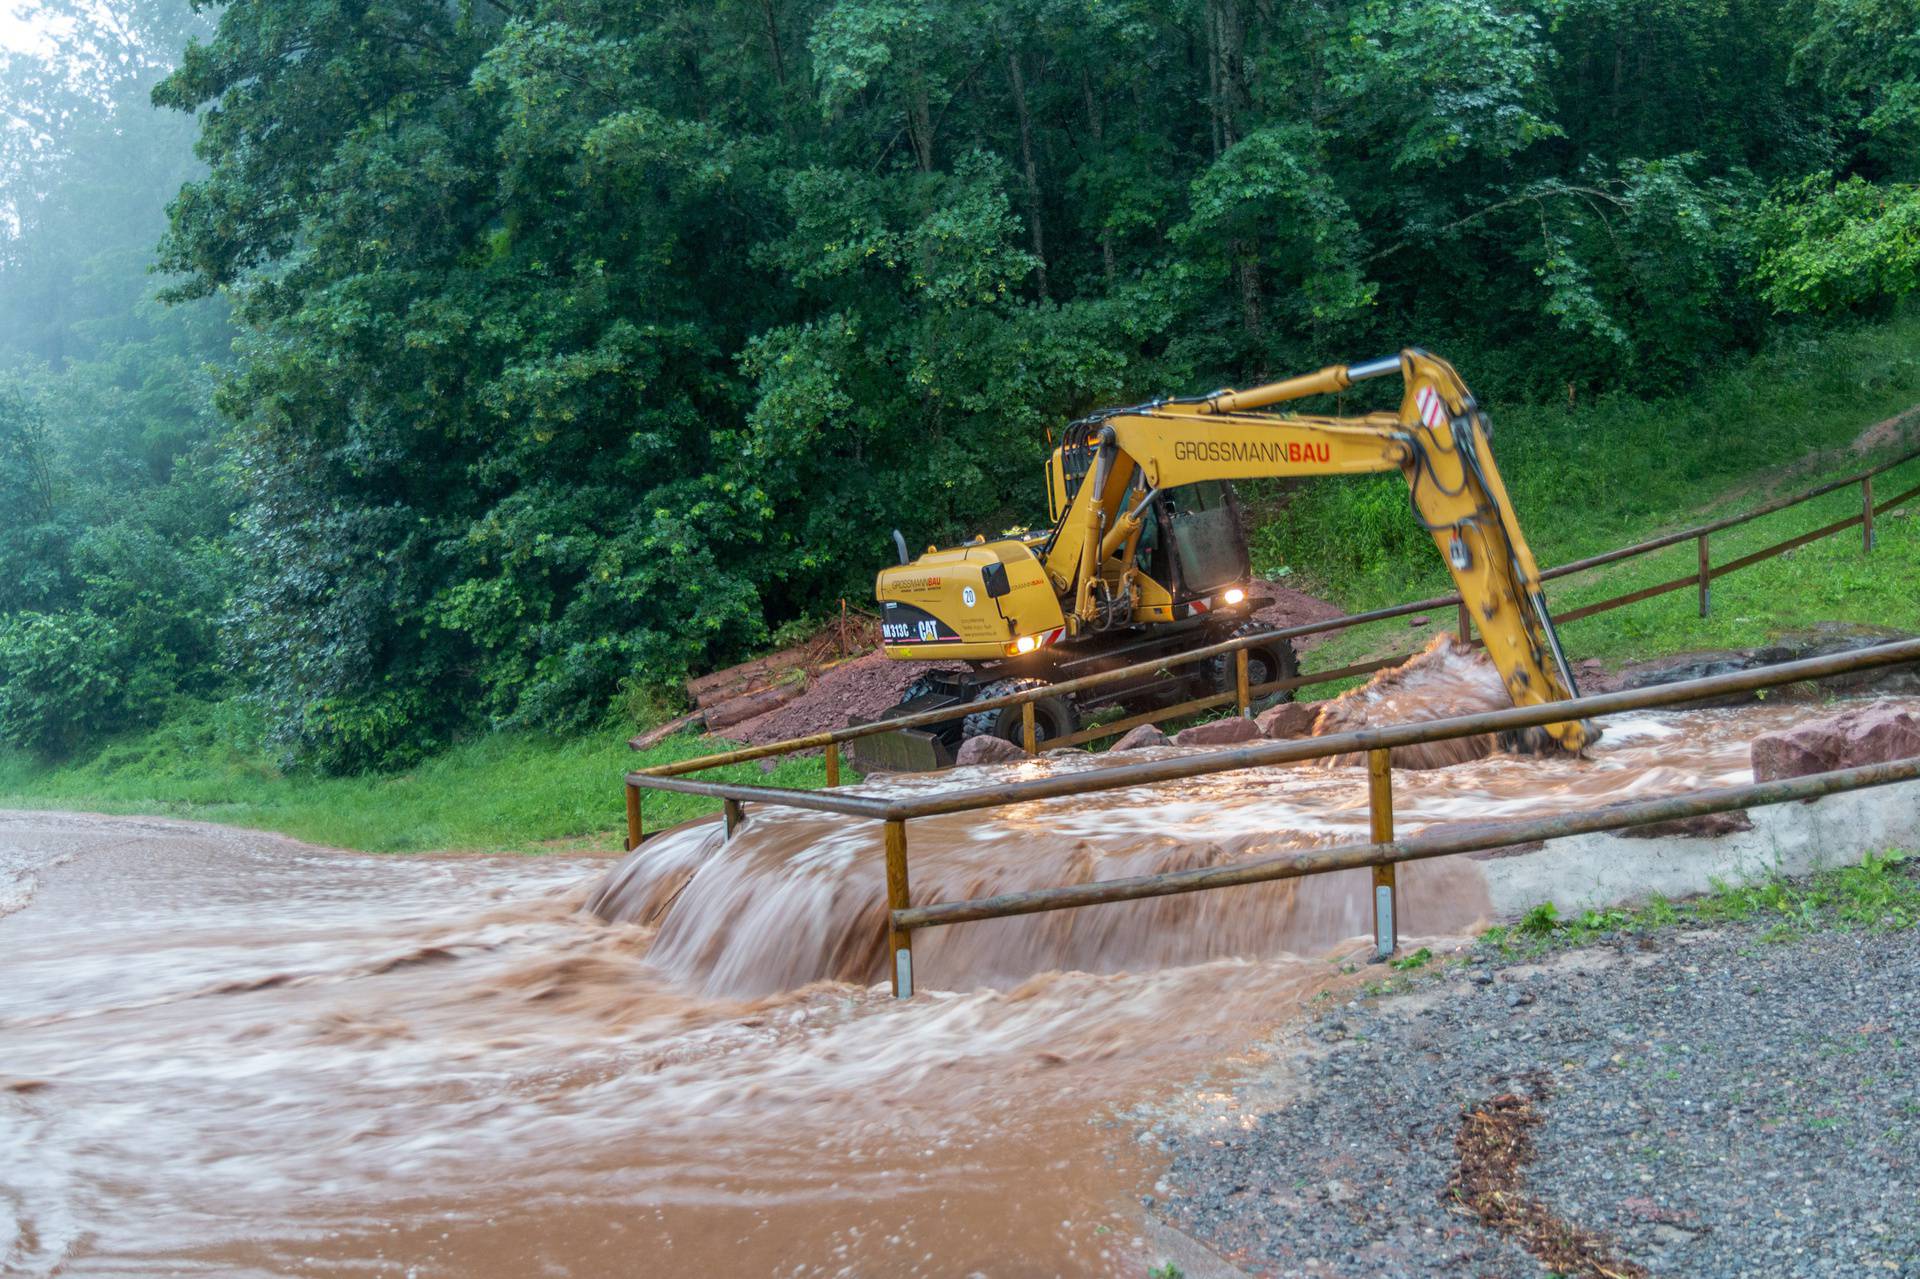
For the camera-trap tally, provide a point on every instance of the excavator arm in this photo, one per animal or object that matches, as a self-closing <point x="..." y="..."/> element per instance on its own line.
<point x="1438" y="440"/>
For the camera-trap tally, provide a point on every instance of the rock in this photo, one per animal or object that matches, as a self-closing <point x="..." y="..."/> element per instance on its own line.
<point x="1870" y="735"/>
<point x="1219" y="732"/>
<point x="1142" y="736"/>
<point x="1288" y="719"/>
<point x="987" y="749"/>
<point x="1818" y="641"/>
<point x="1418" y="619"/>
<point x="1701" y="827"/>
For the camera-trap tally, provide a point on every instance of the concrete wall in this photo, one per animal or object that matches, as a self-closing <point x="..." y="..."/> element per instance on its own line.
<point x="1592" y="871"/>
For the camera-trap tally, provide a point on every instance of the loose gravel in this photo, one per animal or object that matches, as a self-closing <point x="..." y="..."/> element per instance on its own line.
<point x="1723" y="1102"/>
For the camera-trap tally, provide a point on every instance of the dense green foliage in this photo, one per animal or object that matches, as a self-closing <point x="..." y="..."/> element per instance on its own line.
<point x="585" y="342"/>
<point x="114" y="567"/>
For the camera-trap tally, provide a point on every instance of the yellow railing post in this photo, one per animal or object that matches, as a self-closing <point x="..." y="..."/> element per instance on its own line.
<point x="633" y="817"/>
<point x="1027" y="732"/>
<point x="1240" y="679"/>
<point x="899" y="940"/>
<point x="833" y="764"/>
<point x="1386" y="928"/>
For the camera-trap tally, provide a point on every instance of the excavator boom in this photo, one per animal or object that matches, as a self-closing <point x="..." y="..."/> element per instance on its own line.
<point x="1438" y="439"/>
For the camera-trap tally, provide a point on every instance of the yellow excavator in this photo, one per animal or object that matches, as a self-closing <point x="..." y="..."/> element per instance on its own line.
<point x="1147" y="556"/>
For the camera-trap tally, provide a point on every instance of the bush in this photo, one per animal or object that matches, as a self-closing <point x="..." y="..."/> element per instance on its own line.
<point x="61" y="679"/>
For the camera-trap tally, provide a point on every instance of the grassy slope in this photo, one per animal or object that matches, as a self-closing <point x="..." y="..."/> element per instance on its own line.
<point x="507" y="792"/>
<point x="1626" y="470"/>
<point x="1584" y="482"/>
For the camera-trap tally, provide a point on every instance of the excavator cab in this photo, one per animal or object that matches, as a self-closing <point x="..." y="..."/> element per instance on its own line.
<point x="1205" y="541"/>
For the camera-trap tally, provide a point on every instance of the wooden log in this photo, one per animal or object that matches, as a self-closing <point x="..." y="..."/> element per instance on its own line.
<point x="748" y="677"/>
<point x="740" y="709"/>
<point x="654" y="736"/>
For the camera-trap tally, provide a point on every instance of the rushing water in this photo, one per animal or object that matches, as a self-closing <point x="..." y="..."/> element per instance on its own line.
<point x="223" y="1052"/>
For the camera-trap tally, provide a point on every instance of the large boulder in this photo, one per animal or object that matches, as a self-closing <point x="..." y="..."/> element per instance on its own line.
<point x="1873" y="734"/>
<point x="1288" y="719"/>
<point x="1142" y="736"/>
<point x="1219" y="732"/>
<point x="987" y="749"/>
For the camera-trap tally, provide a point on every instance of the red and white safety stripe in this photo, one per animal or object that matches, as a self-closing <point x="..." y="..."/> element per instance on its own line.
<point x="1047" y="637"/>
<point x="1433" y="410"/>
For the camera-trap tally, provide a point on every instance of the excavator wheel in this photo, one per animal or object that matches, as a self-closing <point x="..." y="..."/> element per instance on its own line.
<point x="1265" y="662"/>
<point x="1053" y="717"/>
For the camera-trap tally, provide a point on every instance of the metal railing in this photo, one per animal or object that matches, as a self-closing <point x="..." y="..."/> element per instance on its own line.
<point x="1244" y="693"/>
<point x="1382" y="853"/>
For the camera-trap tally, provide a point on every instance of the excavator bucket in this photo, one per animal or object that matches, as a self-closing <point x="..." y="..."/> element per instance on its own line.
<point x="904" y="750"/>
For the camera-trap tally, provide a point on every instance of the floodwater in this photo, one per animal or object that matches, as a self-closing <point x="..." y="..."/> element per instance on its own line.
<point x="223" y="1052"/>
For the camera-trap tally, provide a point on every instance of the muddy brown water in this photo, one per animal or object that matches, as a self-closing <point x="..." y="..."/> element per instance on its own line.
<point x="222" y="1052"/>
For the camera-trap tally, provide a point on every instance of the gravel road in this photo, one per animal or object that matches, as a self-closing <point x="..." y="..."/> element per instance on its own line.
<point x="1696" y="1103"/>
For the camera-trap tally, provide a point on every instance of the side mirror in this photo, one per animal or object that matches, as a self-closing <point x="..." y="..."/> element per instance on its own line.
<point x="994" y="577"/>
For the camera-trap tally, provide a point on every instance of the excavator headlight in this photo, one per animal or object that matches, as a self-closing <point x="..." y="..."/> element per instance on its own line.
<point x="1234" y="595"/>
<point x="1025" y="644"/>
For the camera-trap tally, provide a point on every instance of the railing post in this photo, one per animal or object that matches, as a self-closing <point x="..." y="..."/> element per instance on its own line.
<point x="734" y="813"/>
<point x="1240" y="679"/>
<point x="899" y="940"/>
<point x="833" y="764"/>
<point x="1465" y="628"/>
<point x="1866" y="512"/>
<point x="633" y="817"/>
<point x="1386" y="927"/>
<point x="1028" y="737"/>
<point x="1706" y="577"/>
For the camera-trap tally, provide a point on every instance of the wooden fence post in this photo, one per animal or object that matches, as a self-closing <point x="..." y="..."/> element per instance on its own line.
<point x="1706" y="577"/>
<point x="1866" y="512"/>
<point x="633" y="817"/>
<point x="1029" y="737"/>
<point x="1240" y="679"/>
<point x="833" y="764"/>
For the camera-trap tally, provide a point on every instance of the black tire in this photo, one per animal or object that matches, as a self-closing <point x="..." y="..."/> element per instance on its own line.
<point x="920" y="686"/>
<point x="1053" y="717"/>
<point x="1266" y="662"/>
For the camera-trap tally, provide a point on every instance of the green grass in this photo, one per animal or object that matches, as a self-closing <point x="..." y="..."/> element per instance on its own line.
<point x="508" y="792"/>
<point x="1881" y="894"/>
<point x="1624" y="470"/>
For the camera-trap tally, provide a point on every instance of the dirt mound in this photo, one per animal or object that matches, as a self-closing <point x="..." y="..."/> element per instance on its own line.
<point x="864" y="686"/>
<point x="1295" y="608"/>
